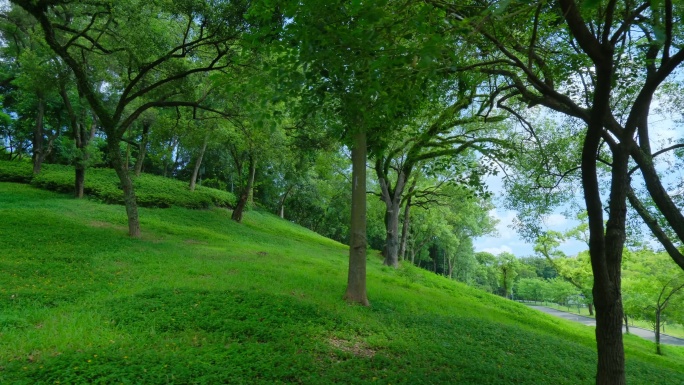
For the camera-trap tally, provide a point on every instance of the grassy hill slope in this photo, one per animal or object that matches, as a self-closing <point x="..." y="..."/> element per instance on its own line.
<point x="201" y="299"/>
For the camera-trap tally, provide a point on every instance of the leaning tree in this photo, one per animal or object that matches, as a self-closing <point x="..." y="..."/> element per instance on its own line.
<point x="131" y="56"/>
<point x="601" y="64"/>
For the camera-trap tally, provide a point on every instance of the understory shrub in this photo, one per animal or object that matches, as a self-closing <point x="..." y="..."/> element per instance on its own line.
<point x="16" y="171"/>
<point x="103" y="184"/>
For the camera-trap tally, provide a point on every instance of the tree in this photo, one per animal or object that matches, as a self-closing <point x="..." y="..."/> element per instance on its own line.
<point x="583" y="61"/>
<point x="576" y="271"/>
<point x="487" y="278"/>
<point x="448" y="216"/>
<point x="541" y="266"/>
<point x="355" y="63"/>
<point x="652" y="285"/>
<point x="507" y="267"/>
<point x="257" y="128"/>
<point x="321" y="202"/>
<point x="561" y="292"/>
<point x="83" y="127"/>
<point x="450" y="134"/>
<point x="125" y="63"/>
<point x="531" y="289"/>
<point x="32" y="72"/>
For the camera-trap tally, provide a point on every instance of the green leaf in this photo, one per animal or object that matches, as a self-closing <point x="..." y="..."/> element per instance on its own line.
<point x="590" y="4"/>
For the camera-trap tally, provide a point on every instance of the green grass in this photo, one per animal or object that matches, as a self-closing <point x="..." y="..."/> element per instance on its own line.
<point x="201" y="299"/>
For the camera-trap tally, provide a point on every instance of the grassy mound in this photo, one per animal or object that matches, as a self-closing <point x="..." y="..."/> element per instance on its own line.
<point x="203" y="300"/>
<point x="102" y="184"/>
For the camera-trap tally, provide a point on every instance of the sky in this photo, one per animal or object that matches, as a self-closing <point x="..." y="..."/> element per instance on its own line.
<point x="508" y="240"/>
<point x="663" y="131"/>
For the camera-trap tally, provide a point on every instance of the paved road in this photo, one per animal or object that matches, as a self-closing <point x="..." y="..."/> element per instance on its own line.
<point x="643" y="333"/>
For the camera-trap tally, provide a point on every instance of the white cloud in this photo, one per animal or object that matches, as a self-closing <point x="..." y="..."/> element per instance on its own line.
<point x="497" y="250"/>
<point x="555" y="220"/>
<point x="573" y="247"/>
<point x="505" y="221"/>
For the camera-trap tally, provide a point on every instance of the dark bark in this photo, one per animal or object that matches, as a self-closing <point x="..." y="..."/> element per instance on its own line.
<point x="79" y="180"/>
<point x="655" y="228"/>
<point x="590" y="307"/>
<point x="244" y="195"/>
<point x="130" y="202"/>
<point x="405" y="228"/>
<point x="597" y="39"/>
<point x="356" y="279"/>
<point x="657" y="330"/>
<point x="505" y="282"/>
<point x="38" y="135"/>
<point x="605" y="247"/>
<point x="606" y="257"/>
<point x="661" y="198"/>
<point x="198" y="163"/>
<point x="81" y="139"/>
<point x="128" y="155"/>
<point x="391" y="196"/>
<point x="142" y="148"/>
<point x="626" y="323"/>
<point x="391" y="251"/>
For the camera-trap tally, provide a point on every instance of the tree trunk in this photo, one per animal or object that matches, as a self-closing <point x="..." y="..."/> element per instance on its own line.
<point x="392" y="239"/>
<point x="244" y="195"/>
<point x="605" y="243"/>
<point x="126" y="185"/>
<point x="607" y="279"/>
<point x="356" y="279"/>
<point x="128" y="156"/>
<point x="142" y="148"/>
<point x="405" y="229"/>
<point x="81" y="139"/>
<point x="450" y="263"/>
<point x="657" y="332"/>
<point x="505" y="282"/>
<point x="79" y="179"/>
<point x="198" y="163"/>
<point x="169" y="159"/>
<point x="626" y="323"/>
<point x="281" y="208"/>
<point x="392" y="199"/>
<point x="38" y="139"/>
<point x="590" y="307"/>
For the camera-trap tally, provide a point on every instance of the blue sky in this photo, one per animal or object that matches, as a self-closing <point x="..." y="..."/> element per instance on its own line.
<point x="507" y="239"/>
<point x="664" y="130"/>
